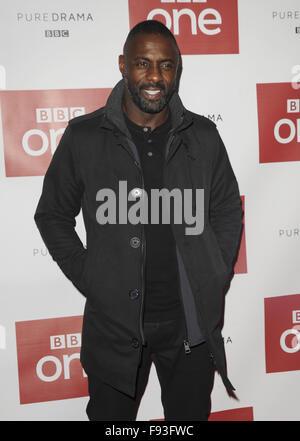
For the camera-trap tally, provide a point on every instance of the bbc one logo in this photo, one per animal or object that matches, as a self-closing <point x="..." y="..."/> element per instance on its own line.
<point x="278" y="107"/>
<point x="48" y="138"/>
<point x="58" y="342"/>
<point x="282" y="333"/>
<point x="33" y="122"/>
<point x="200" y="26"/>
<point x="294" y="332"/>
<point x="288" y="125"/>
<point x="49" y="359"/>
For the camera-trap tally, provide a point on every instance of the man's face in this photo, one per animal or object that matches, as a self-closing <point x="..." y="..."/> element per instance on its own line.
<point x="149" y="69"/>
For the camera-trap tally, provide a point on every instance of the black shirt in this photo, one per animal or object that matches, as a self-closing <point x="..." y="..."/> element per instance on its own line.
<point x="162" y="299"/>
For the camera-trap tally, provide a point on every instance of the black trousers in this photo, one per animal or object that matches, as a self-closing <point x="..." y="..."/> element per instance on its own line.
<point x="186" y="380"/>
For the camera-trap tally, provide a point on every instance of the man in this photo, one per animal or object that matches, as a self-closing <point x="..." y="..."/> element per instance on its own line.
<point x="153" y="292"/>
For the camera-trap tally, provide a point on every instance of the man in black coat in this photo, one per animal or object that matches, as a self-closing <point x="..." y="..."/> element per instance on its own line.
<point x="154" y="289"/>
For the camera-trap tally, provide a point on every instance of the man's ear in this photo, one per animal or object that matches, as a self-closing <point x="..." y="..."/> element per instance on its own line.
<point x="122" y="65"/>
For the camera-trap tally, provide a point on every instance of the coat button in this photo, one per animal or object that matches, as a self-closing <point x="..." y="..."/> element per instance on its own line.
<point x="135" y="343"/>
<point x="134" y="293"/>
<point x="135" y="242"/>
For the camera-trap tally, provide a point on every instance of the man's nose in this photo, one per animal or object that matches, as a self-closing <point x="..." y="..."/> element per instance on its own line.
<point x="154" y="73"/>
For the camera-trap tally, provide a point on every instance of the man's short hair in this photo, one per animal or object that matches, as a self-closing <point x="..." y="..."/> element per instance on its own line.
<point x="150" y="27"/>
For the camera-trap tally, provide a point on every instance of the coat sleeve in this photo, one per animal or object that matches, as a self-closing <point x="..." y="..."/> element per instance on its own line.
<point x="59" y="204"/>
<point x="226" y="214"/>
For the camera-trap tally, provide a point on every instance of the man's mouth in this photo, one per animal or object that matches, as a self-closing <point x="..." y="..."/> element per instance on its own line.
<point x="152" y="93"/>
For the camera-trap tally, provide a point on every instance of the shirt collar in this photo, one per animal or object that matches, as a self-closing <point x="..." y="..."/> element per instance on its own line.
<point x="165" y="127"/>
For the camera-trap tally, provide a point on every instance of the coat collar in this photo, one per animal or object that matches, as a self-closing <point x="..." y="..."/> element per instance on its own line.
<point x="114" y="114"/>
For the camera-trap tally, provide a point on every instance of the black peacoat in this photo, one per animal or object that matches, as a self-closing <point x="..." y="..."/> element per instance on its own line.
<point x="96" y="152"/>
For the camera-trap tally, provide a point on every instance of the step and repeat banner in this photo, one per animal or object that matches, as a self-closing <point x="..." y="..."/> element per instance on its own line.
<point x="241" y="69"/>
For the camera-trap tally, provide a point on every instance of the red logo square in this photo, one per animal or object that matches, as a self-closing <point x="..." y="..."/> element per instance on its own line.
<point x="48" y="359"/>
<point x="241" y="263"/>
<point x="240" y="414"/>
<point x="282" y="333"/>
<point x="278" y="108"/>
<point x="33" y="122"/>
<point x="200" y="27"/>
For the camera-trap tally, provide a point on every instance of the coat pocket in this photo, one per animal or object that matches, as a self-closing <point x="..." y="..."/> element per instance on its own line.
<point x="86" y="275"/>
<point x="80" y="266"/>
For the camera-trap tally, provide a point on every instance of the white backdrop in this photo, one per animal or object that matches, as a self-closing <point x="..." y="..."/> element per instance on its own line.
<point x="220" y="86"/>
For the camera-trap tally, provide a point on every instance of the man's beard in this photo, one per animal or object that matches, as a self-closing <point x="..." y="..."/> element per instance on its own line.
<point x="145" y="105"/>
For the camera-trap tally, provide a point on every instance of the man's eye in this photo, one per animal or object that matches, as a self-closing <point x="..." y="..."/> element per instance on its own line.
<point x="142" y="64"/>
<point x="167" y="66"/>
